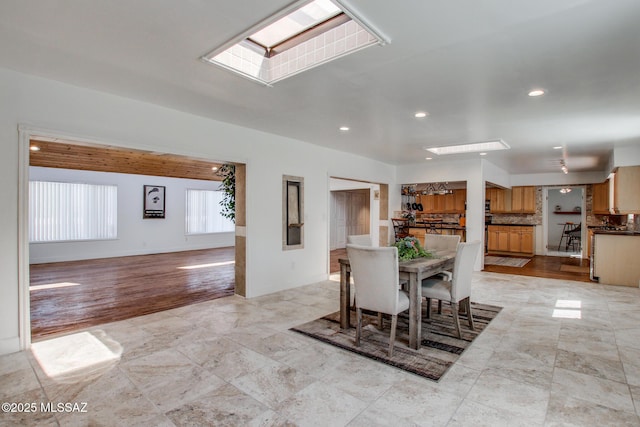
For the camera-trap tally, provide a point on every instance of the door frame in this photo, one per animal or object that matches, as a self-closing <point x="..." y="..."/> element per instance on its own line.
<point x="546" y="218"/>
<point x="25" y="134"/>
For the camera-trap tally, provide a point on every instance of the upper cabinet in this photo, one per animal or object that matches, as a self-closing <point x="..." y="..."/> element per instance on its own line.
<point x="523" y="199"/>
<point x="626" y="191"/>
<point x="444" y="203"/>
<point x="499" y="200"/>
<point x="601" y="198"/>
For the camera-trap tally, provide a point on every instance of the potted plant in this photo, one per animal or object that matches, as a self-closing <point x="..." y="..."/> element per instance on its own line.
<point x="228" y="186"/>
<point x="410" y="248"/>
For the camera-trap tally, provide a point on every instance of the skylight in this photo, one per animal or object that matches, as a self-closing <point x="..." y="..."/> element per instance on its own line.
<point x="302" y="36"/>
<point x="470" y="148"/>
<point x="296" y="22"/>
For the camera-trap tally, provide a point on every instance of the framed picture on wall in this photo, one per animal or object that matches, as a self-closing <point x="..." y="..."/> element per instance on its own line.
<point x="154" y="198"/>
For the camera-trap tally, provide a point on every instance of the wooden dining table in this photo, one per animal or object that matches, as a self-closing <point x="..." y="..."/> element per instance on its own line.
<point x="413" y="271"/>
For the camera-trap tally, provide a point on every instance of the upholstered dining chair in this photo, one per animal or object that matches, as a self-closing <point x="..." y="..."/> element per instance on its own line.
<point x="360" y="239"/>
<point x="458" y="289"/>
<point x="440" y="244"/>
<point x="375" y="277"/>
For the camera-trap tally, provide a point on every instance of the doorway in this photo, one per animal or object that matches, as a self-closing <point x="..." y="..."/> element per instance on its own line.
<point x="564" y="219"/>
<point x="25" y="136"/>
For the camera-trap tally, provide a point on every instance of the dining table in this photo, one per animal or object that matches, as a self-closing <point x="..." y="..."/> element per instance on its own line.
<point x="412" y="271"/>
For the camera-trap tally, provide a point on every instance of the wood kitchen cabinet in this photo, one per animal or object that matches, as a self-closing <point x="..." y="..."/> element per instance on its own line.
<point x="460" y="201"/>
<point x="498" y="238"/>
<point x="499" y="200"/>
<point x="600" y="198"/>
<point x="523" y="199"/>
<point x="521" y="240"/>
<point x="511" y="239"/>
<point x="626" y="190"/>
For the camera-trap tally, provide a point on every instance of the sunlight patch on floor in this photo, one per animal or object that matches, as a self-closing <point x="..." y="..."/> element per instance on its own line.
<point x="76" y="356"/>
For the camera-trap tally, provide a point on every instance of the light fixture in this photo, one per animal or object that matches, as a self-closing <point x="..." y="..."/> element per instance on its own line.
<point x="215" y="168"/>
<point x="483" y="154"/>
<point x="536" y="92"/>
<point x="558" y="147"/>
<point x="34" y="148"/>
<point x="437" y="188"/>
<point x="563" y="167"/>
<point x="497" y="144"/>
<point x="428" y="158"/>
<point x="420" y="114"/>
<point x="565" y="190"/>
<point x="344" y="128"/>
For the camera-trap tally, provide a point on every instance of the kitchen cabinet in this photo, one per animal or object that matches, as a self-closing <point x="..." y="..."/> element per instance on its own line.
<point x="460" y="201"/>
<point x="523" y="199"/>
<point x="626" y="191"/>
<point x="521" y="240"/>
<point x="511" y="239"/>
<point x="498" y="238"/>
<point x="615" y="259"/>
<point x="600" y="198"/>
<point x="499" y="200"/>
<point x="443" y="203"/>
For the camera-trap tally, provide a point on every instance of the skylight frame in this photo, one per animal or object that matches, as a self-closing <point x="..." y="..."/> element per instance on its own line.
<point x="262" y="72"/>
<point x="475" y="147"/>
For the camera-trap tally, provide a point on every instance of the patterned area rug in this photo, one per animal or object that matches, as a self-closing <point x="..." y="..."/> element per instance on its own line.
<point x="440" y="346"/>
<point x="506" y="261"/>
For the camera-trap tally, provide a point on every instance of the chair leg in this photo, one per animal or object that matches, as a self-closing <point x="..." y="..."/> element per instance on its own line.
<point x="456" y="320"/>
<point x="392" y="337"/>
<point x="469" y="315"/>
<point x="428" y="308"/>
<point x="358" y="325"/>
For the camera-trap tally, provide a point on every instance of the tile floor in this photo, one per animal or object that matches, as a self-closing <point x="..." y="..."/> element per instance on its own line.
<point x="560" y="353"/>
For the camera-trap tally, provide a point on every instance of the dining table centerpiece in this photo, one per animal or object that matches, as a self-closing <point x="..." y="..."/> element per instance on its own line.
<point x="410" y="248"/>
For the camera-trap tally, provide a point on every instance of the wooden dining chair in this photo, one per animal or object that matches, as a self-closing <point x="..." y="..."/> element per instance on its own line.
<point x="458" y="289"/>
<point x="375" y="277"/>
<point x="400" y="228"/>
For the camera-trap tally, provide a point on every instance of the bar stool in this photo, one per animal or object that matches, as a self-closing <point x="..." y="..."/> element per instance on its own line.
<point x="570" y="234"/>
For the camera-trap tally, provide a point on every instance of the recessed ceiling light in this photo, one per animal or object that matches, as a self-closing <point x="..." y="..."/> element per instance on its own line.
<point x="483" y="154"/>
<point x="420" y="114"/>
<point x="344" y="128"/>
<point x="34" y="148"/>
<point x="470" y="148"/>
<point x="428" y="158"/>
<point x="537" y="92"/>
<point x="557" y="147"/>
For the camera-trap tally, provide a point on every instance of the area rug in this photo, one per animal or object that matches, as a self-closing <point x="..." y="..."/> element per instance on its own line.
<point x="574" y="268"/>
<point x="439" y="350"/>
<point x="506" y="261"/>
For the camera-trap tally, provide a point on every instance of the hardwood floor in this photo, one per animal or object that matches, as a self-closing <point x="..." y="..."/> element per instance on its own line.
<point x="550" y="267"/>
<point x="67" y="296"/>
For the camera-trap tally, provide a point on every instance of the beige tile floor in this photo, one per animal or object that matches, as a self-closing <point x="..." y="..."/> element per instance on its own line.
<point x="560" y="353"/>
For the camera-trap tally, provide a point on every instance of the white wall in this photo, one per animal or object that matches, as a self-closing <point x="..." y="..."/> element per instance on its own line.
<point x="40" y="104"/>
<point x="136" y="235"/>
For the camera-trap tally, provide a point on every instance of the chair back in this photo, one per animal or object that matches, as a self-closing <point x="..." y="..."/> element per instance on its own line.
<point x="400" y="227"/>
<point x="375" y="276"/>
<point x="463" y="269"/>
<point x="360" y="239"/>
<point x="441" y="243"/>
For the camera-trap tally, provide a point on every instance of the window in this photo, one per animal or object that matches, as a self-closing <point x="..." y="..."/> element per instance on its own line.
<point x="203" y="213"/>
<point x="62" y="211"/>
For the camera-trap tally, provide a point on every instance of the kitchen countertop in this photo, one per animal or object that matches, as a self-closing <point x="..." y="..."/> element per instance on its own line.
<point x="514" y="225"/>
<point x="447" y="225"/>
<point x="617" y="232"/>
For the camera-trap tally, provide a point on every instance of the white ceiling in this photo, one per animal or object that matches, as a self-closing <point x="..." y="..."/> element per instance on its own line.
<point x="469" y="63"/>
